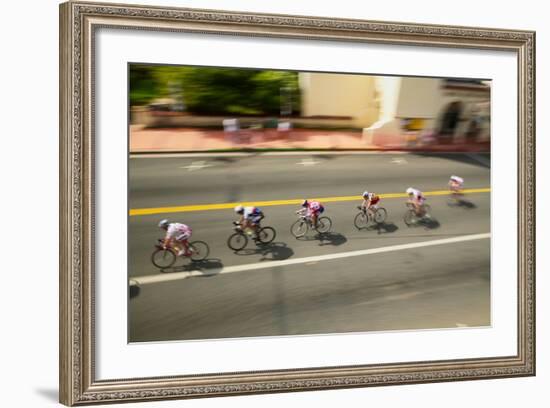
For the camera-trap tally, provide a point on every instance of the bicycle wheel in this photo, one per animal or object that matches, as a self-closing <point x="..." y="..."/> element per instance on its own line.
<point x="410" y="218"/>
<point x="237" y="241"/>
<point x="427" y="211"/>
<point x="323" y="225"/>
<point x="380" y="215"/>
<point x="361" y="220"/>
<point x="266" y="235"/>
<point x="199" y="250"/>
<point x="299" y="228"/>
<point x="163" y="258"/>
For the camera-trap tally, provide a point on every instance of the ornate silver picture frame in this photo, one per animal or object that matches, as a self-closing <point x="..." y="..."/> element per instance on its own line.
<point x="78" y="381"/>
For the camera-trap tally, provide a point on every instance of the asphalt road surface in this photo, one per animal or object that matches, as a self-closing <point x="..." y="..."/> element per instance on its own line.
<point x="434" y="275"/>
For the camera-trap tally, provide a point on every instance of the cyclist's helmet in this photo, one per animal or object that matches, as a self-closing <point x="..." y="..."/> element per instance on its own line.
<point x="239" y="209"/>
<point x="304" y="203"/>
<point x="366" y="194"/>
<point x="410" y="190"/>
<point x="164" y="224"/>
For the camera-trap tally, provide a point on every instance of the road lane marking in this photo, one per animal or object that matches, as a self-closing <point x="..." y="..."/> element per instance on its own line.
<point x="308" y="162"/>
<point x="167" y="277"/>
<point x="297" y="201"/>
<point x="399" y="161"/>
<point x="196" y="165"/>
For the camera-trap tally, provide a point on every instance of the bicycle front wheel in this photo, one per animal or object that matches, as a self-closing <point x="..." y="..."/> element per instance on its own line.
<point x="266" y="235"/>
<point x="299" y="228"/>
<point x="361" y="220"/>
<point x="199" y="250"/>
<point x="410" y="218"/>
<point x="163" y="258"/>
<point x="237" y="241"/>
<point x="323" y="225"/>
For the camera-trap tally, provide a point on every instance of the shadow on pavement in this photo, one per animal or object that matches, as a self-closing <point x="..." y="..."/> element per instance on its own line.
<point x="331" y="238"/>
<point x="480" y="159"/>
<point x="429" y="223"/>
<point x="208" y="267"/>
<point x="134" y="290"/>
<point x="462" y="203"/>
<point x="383" y="228"/>
<point x="275" y="251"/>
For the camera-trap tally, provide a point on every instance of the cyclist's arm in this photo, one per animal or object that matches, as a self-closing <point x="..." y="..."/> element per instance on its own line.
<point x="167" y="240"/>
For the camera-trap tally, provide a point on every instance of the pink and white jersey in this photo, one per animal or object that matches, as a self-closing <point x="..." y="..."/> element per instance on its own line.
<point x="178" y="231"/>
<point x="314" y="206"/>
<point x="417" y="196"/>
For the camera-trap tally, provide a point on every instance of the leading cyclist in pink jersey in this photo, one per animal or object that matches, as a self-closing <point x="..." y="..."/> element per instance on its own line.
<point x="177" y="236"/>
<point x="417" y="199"/>
<point x="312" y="209"/>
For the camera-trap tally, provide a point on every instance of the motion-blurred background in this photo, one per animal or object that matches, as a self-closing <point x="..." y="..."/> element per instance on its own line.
<point x="184" y="108"/>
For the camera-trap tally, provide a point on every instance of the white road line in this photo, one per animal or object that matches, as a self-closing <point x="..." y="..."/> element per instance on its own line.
<point x="167" y="277"/>
<point x="196" y="165"/>
<point x="308" y="162"/>
<point x="397" y="160"/>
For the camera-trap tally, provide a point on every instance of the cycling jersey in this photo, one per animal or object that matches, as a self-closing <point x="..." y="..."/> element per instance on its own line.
<point x="456" y="183"/>
<point x="315" y="207"/>
<point x="178" y="231"/>
<point x="252" y="214"/>
<point x="373" y="198"/>
<point x="417" y="196"/>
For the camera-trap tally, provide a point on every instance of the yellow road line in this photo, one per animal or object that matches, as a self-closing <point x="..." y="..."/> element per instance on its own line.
<point x="225" y="206"/>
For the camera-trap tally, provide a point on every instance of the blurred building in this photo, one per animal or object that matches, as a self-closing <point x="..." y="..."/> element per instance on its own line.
<point x="400" y="110"/>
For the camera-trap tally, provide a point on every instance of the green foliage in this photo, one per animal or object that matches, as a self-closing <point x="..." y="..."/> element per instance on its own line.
<point x="215" y="91"/>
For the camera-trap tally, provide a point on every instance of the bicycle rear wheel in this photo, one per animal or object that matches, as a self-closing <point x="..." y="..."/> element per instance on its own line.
<point x="299" y="228"/>
<point x="323" y="225"/>
<point x="266" y="235"/>
<point x="380" y="215"/>
<point x="237" y="241"/>
<point x="199" y="250"/>
<point x="361" y="220"/>
<point x="163" y="258"/>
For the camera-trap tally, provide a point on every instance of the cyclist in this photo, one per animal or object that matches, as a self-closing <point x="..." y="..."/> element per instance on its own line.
<point x="370" y="202"/>
<point x="417" y="199"/>
<point x="311" y="209"/>
<point x="250" y="217"/>
<point x="177" y="236"/>
<point x="455" y="185"/>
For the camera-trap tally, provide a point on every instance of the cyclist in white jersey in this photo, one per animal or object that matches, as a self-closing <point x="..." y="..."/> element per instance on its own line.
<point x="177" y="236"/>
<point x="417" y="199"/>
<point x="250" y="217"/>
<point x="456" y="184"/>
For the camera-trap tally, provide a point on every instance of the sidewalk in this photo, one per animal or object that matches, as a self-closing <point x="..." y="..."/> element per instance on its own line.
<point x="144" y="140"/>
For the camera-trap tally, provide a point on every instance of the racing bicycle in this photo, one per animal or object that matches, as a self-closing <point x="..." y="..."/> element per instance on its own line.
<point x="304" y="223"/>
<point x="239" y="239"/>
<point x="412" y="219"/>
<point x="366" y="217"/>
<point x="164" y="257"/>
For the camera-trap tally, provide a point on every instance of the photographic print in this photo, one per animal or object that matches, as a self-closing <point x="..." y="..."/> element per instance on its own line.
<point x="276" y="203"/>
<point x="312" y="205"/>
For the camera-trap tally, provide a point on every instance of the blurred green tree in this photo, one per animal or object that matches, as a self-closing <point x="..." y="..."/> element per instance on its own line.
<point x="216" y="91"/>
